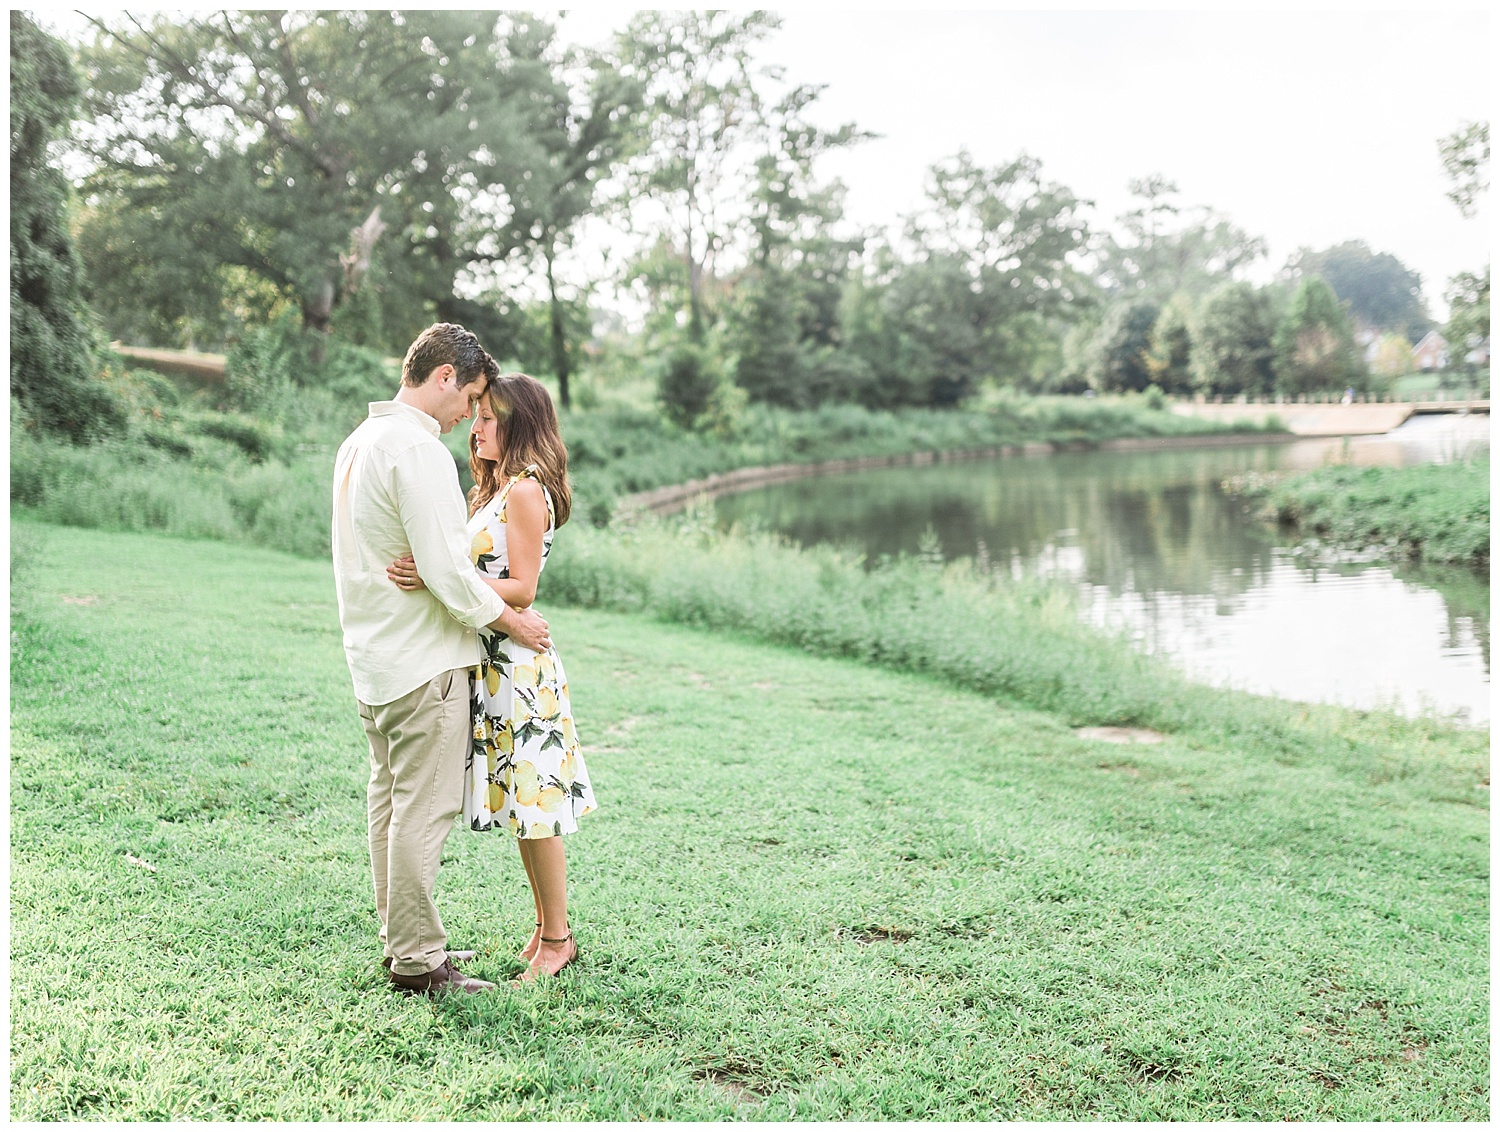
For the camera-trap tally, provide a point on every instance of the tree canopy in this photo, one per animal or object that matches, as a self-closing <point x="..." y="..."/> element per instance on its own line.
<point x="310" y="152"/>
<point x="51" y="362"/>
<point x="1381" y="292"/>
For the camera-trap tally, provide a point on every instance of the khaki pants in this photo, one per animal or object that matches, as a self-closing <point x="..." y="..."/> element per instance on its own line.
<point x="417" y="748"/>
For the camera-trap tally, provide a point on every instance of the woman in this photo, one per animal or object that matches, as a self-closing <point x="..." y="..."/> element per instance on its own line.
<point x="525" y="768"/>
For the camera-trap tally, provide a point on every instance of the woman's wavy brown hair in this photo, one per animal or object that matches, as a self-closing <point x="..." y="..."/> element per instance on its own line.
<point x="526" y="432"/>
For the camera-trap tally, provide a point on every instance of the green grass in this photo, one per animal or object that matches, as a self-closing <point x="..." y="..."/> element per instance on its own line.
<point x="814" y="889"/>
<point x="1435" y="512"/>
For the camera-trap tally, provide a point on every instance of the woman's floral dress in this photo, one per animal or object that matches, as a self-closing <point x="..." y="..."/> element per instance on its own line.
<point x="525" y="770"/>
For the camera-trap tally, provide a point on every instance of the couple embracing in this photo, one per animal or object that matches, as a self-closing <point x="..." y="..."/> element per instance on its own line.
<point x="462" y="696"/>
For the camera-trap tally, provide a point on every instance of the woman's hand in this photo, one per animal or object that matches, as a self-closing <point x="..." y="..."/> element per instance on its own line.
<point x="403" y="572"/>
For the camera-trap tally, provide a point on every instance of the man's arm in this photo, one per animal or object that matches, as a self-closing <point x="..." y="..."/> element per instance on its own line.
<point x="429" y="503"/>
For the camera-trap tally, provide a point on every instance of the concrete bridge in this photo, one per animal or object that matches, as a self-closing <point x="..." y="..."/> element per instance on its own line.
<point x="1359" y="419"/>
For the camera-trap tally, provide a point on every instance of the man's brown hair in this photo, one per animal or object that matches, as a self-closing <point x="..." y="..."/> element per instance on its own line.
<point x="447" y="344"/>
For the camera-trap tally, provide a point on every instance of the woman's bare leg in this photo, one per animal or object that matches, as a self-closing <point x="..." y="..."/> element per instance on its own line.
<point x="534" y="942"/>
<point x="550" y="883"/>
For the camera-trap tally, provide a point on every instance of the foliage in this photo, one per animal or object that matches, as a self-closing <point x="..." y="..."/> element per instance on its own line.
<point x="702" y="104"/>
<point x="1468" y="299"/>
<point x="1314" y="348"/>
<point x="578" y="128"/>
<point x="1466" y="161"/>
<point x="317" y="152"/>
<point x="1169" y="357"/>
<point x="1380" y="291"/>
<point x="689" y="382"/>
<point x="51" y="351"/>
<point x="999" y="244"/>
<point x="1393" y="356"/>
<point x="1161" y="251"/>
<point x="844" y="943"/>
<point x="1122" y="349"/>
<point x="1435" y="512"/>
<point x="785" y="320"/>
<point x="1232" y="351"/>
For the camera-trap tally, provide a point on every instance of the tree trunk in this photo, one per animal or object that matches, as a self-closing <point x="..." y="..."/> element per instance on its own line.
<point x="317" y="316"/>
<point x="559" y="339"/>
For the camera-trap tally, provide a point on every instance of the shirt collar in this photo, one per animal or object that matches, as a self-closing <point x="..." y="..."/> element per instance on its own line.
<point x="406" y="412"/>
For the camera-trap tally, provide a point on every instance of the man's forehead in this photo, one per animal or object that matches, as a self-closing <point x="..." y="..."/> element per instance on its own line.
<point x="476" y="389"/>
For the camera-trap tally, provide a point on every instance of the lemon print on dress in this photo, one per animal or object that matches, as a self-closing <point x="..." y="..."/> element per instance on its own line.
<point x="491" y="679"/>
<point x="569" y="732"/>
<point x="504" y="740"/>
<point x="545" y="668"/>
<point x="495" y="797"/>
<point x="524" y="676"/>
<point x="528" y="783"/>
<point x="567" y="770"/>
<point x="482" y="544"/>
<point x="546" y="703"/>
<point x="539" y="830"/>
<point x="550" y="800"/>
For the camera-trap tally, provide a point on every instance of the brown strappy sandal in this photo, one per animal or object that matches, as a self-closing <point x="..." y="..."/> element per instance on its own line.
<point x="531" y="973"/>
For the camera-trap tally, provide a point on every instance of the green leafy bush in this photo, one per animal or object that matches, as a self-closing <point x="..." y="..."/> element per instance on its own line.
<point x="1436" y="512"/>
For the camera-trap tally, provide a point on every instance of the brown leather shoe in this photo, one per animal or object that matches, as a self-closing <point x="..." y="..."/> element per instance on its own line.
<point x="446" y="978"/>
<point x="456" y="956"/>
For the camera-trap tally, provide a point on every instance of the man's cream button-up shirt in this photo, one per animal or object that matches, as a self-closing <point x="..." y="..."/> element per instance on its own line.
<point x="395" y="492"/>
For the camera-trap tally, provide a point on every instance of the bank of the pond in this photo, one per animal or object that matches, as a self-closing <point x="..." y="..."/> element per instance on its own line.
<point x="1434" y="512"/>
<point x="663" y="500"/>
<point x="815" y="889"/>
<point x="184" y="468"/>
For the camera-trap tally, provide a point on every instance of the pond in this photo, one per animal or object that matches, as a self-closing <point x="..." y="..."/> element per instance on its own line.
<point x="1157" y="549"/>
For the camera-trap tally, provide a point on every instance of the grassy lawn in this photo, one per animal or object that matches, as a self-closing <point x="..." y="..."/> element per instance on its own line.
<point x="814" y="888"/>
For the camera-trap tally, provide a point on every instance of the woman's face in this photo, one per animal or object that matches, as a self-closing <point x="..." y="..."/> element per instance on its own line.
<point x="483" y="430"/>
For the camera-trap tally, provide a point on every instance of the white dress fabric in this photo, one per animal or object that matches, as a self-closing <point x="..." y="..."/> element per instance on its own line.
<point x="525" y="768"/>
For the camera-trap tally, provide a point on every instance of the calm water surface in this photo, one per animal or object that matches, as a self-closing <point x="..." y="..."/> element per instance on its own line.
<point x="1157" y="549"/>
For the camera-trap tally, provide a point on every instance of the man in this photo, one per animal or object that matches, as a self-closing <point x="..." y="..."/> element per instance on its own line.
<point x="396" y="492"/>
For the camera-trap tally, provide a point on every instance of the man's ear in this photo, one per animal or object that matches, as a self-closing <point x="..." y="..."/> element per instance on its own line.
<point x="443" y="374"/>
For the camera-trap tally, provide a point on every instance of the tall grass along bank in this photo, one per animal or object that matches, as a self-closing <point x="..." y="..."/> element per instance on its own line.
<point x="1435" y="512"/>
<point x="815" y="890"/>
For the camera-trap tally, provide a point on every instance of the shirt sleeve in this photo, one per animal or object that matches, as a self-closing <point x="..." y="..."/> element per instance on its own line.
<point x="431" y="507"/>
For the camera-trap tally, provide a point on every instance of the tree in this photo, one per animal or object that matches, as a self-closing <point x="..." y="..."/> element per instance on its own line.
<point x="1313" y="347"/>
<point x="1466" y="160"/>
<point x="702" y="107"/>
<point x="1169" y="358"/>
<point x="1162" y="249"/>
<point x="573" y="136"/>
<point x="1232" y="349"/>
<point x="1121" y="352"/>
<point x="1382" y="293"/>
<point x="315" y="152"/>
<point x="785" y="322"/>
<point x="996" y="249"/>
<point x="51" y="357"/>
<point x="1468" y="299"/>
<point x="1393" y="356"/>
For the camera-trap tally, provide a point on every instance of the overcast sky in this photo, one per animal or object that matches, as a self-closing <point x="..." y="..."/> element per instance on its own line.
<point x="1308" y="129"/>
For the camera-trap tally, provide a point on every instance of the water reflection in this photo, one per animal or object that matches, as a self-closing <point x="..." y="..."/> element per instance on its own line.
<point x="1156" y="548"/>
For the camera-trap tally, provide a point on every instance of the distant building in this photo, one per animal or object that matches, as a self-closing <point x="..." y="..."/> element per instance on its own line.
<point x="1479" y="354"/>
<point x="1431" y="352"/>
